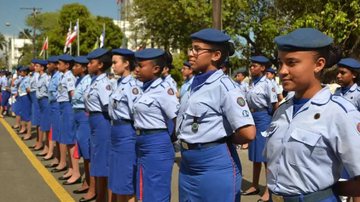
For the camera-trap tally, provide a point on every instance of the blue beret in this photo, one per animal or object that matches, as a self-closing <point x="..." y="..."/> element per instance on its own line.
<point x="24" y="68"/>
<point x="211" y="35"/>
<point x="41" y="62"/>
<point x="53" y="59"/>
<point x="97" y="53"/>
<point x="303" y="39"/>
<point x="349" y="62"/>
<point x="149" y="53"/>
<point x="187" y="63"/>
<point x="123" y="52"/>
<point x="81" y="60"/>
<point x="34" y="60"/>
<point x="271" y="70"/>
<point x="260" y="59"/>
<point x="18" y="68"/>
<point x="65" y="58"/>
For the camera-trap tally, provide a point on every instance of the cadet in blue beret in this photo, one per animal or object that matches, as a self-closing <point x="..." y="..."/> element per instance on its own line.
<point x="123" y="137"/>
<point x="270" y="74"/>
<point x="14" y="90"/>
<point x="96" y="103"/>
<point x="263" y="101"/>
<point x="156" y="105"/>
<point x="82" y="126"/>
<point x="5" y="93"/>
<point x="213" y="115"/>
<point x="240" y="77"/>
<point x="188" y="76"/>
<point x="24" y="103"/>
<point x="54" y="117"/>
<point x="313" y="134"/>
<point x="348" y="77"/>
<point x="44" y="107"/>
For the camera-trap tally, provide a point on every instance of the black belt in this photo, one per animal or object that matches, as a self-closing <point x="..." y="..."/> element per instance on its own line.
<point x="149" y="131"/>
<point x="95" y="113"/>
<point x="192" y="146"/>
<point x="79" y="110"/>
<point x="315" y="196"/>
<point x="42" y="97"/>
<point x="258" y="110"/>
<point x="121" y="122"/>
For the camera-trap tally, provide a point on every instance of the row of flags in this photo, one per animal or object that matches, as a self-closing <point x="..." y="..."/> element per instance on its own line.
<point x="71" y="36"/>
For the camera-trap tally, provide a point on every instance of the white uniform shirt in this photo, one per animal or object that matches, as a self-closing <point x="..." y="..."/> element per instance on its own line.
<point x="262" y="94"/>
<point x="353" y="95"/>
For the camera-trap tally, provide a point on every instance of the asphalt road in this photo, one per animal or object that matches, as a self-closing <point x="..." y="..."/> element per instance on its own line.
<point x="24" y="179"/>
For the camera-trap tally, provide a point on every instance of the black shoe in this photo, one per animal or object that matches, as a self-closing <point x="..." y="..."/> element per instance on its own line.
<point x="260" y="200"/>
<point x="51" y="165"/>
<point x="31" y="147"/>
<point x="40" y="154"/>
<point x="81" y="191"/>
<point x="15" y="127"/>
<point x="75" y="182"/>
<point x="22" y="132"/>
<point x="55" y="170"/>
<point x="251" y="193"/>
<point x="47" y="159"/>
<point x="38" y="149"/>
<point x="86" y="200"/>
<point x="29" y="138"/>
<point x="64" y="178"/>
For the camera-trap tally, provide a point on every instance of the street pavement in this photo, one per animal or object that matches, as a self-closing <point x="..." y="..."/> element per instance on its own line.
<point x="24" y="179"/>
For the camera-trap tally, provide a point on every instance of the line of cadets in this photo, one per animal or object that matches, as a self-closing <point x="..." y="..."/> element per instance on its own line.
<point x="124" y="132"/>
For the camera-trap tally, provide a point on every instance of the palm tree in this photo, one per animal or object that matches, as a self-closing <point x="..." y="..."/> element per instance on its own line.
<point x="2" y="42"/>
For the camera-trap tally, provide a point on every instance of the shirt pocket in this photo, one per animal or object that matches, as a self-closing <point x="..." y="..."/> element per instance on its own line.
<point x="196" y="111"/>
<point x="304" y="147"/>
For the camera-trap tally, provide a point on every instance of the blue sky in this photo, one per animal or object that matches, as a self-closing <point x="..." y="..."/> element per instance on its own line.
<point x="10" y="11"/>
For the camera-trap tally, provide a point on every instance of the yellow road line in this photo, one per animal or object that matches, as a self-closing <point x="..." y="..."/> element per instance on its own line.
<point x="59" y="191"/>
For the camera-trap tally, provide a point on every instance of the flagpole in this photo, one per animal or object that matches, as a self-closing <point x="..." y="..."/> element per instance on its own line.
<point x="78" y="37"/>
<point x="47" y="50"/>
<point x="104" y="35"/>
<point x="70" y="44"/>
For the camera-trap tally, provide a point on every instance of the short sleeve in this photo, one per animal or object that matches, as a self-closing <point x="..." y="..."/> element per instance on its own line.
<point x="70" y="83"/>
<point x="235" y="109"/>
<point x="271" y="91"/>
<point x="104" y="91"/>
<point x="348" y="140"/>
<point x="169" y="103"/>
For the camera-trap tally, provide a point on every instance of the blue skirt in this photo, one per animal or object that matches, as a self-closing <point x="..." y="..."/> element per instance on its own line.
<point x="14" y="107"/>
<point x="5" y="95"/>
<point x="35" y="109"/>
<point x="67" y="134"/>
<point x="99" y="145"/>
<point x="210" y="174"/>
<point x="155" y="159"/>
<point x="122" y="159"/>
<point x="44" y="114"/>
<point x="55" y="120"/>
<point x="262" y="121"/>
<point x="24" y="107"/>
<point x="82" y="133"/>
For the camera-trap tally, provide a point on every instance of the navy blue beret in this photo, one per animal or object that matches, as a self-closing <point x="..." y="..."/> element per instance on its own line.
<point x="24" y="68"/>
<point x="53" y="59"/>
<point x="34" y="61"/>
<point x="211" y="35"/>
<point x="123" y="52"/>
<point x="187" y="63"/>
<point x="41" y="62"/>
<point x="97" y="53"/>
<point x="349" y="62"/>
<point x="149" y="53"/>
<point x="18" y="68"/>
<point x="303" y="39"/>
<point x="65" y="58"/>
<point x="81" y="60"/>
<point x="271" y="70"/>
<point x="260" y="59"/>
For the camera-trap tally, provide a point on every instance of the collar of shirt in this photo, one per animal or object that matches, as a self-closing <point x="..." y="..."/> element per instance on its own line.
<point x="79" y="80"/>
<point x="298" y="103"/>
<point x="147" y="84"/>
<point x="353" y="87"/>
<point x="256" y="80"/>
<point x="344" y="90"/>
<point x="204" y="78"/>
<point x="125" y="80"/>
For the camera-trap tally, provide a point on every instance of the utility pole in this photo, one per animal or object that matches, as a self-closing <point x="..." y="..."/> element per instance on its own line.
<point x="34" y="12"/>
<point x="216" y="14"/>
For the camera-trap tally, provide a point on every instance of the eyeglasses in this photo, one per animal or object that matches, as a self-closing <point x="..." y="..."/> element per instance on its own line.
<point x="196" y="50"/>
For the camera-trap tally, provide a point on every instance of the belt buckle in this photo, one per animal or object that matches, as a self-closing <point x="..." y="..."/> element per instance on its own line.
<point x="252" y="110"/>
<point x="138" y="131"/>
<point x="277" y="198"/>
<point x="184" y="145"/>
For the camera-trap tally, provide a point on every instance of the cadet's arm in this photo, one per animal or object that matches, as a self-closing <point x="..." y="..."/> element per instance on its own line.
<point x="244" y="134"/>
<point x="348" y="188"/>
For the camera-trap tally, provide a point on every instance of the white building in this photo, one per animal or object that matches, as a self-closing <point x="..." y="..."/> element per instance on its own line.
<point x="13" y="50"/>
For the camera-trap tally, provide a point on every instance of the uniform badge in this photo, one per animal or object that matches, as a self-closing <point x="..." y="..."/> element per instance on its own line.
<point x="245" y="113"/>
<point x="194" y="127"/>
<point x="108" y="87"/>
<point x="170" y="91"/>
<point x="317" y="116"/>
<point x="240" y="101"/>
<point x="273" y="89"/>
<point x="135" y="91"/>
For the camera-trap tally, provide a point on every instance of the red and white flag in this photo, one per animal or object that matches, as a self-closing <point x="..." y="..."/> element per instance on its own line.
<point x="45" y="46"/>
<point x="73" y="35"/>
<point x="67" y="39"/>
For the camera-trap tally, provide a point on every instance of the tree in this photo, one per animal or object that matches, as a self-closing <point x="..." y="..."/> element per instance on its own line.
<point x="3" y="42"/>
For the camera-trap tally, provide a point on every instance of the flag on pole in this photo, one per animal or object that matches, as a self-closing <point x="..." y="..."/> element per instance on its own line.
<point x="45" y="46"/>
<point x="67" y="38"/>
<point x="102" y="37"/>
<point x="96" y="45"/>
<point x="119" y="1"/>
<point x="73" y="35"/>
